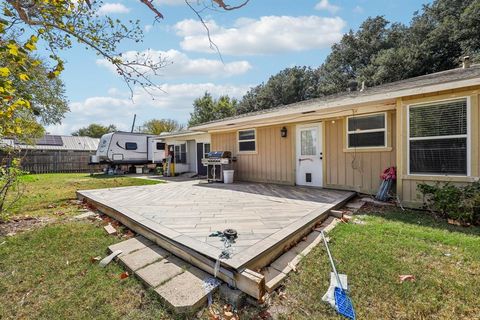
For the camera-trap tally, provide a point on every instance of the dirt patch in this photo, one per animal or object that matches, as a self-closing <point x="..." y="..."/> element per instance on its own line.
<point x="22" y="224"/>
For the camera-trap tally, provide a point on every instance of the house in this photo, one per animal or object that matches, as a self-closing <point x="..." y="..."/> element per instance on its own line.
<point x="427" y="127"/>
<point x="56" y="153"/>
<point x="188" y="147"/>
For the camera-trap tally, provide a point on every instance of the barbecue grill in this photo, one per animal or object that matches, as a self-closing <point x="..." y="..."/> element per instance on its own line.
<point x="216" y="162"/>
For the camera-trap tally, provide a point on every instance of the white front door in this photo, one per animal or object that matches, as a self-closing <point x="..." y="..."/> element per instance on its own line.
<point x="309" y="155"/>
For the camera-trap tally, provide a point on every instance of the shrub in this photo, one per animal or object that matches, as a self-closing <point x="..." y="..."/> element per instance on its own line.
<point x="450" y="201"/>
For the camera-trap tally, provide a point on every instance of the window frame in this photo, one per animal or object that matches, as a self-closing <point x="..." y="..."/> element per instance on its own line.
<point x="247" y="140"/>
<point x="385" y="130"/>
<point x="179" y="154"/>
<point x="131" y="143"/>
<point x="467" y="136"/>
<point x="156" y="146"/>
<point x="204" y="149"/>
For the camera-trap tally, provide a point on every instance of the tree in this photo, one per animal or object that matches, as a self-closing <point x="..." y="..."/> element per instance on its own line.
<point x="58" y="25"/>
<point x="157" y="126"/>
<point x="94" y="130"/>
<point x="207" y="109"/>
<point x="288" y="86"/>
<point x="380" y="52"/>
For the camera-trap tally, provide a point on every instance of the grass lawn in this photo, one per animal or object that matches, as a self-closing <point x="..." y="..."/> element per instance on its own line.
<point x="44" y="192"/>
<point x="444" y="259"/>
<point x="46" y="273"/>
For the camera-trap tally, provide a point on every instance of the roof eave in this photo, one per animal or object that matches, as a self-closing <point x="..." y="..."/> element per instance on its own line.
<point x="320" y="107"/>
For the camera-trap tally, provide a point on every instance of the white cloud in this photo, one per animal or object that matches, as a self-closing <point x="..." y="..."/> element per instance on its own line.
<point x="109" y="8"/>
<point x="174" y="103"/>
<point x="267" y="35"/>
<point x="180" y="65"/>
<point x="148" y="27"/>
<point x="325" y="5"/>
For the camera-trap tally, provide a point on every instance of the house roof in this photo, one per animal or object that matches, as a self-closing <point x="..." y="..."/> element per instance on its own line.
<point x="181" y="133"/>
<point x="57" y="142"/>
<point x="445" y="80"/>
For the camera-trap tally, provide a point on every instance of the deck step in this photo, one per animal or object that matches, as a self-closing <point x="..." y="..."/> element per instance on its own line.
<point x="183" y="287"/>
<point x="278" y="270"/>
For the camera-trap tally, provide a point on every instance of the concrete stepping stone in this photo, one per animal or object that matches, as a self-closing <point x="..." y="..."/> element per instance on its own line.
<point x="186" y="292"/>
<point x="160" y="272"/>
<point x="183" y="287"/>
<point x="143" y="257"/>
<point x="131" y="245"/>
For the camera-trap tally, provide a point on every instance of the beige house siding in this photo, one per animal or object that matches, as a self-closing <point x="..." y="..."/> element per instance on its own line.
<point x="272" y="161"/>
<point x="407" y="184"/>
<point x="359" y="169"/>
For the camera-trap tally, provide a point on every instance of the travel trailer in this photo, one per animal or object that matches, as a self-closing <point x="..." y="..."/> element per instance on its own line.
<point x="129" y="148"/>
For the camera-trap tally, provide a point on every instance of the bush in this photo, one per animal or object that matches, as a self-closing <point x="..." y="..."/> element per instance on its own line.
<point x="450" y="201"/>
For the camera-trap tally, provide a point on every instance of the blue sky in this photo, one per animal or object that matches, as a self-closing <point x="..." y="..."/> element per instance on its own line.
<point x="256" y="42"/>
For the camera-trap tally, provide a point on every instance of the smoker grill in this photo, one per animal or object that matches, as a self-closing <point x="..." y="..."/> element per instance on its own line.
<point x="216" y="162"/>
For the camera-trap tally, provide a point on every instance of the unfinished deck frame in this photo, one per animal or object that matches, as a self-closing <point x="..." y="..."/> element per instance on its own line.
<point x="270" y="219"/>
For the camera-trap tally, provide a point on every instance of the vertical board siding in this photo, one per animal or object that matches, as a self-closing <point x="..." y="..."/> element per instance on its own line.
<point x="271" y="163"/>
<point x="359" y="171"/>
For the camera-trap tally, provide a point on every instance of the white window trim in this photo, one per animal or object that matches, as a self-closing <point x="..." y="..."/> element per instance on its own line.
<point x="247" y="140"/>
<point x="468" y="136"/>
<point x="385" y="129"/>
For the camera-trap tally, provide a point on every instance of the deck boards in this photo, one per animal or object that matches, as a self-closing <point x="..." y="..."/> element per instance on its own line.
<point x="188" y="212"/>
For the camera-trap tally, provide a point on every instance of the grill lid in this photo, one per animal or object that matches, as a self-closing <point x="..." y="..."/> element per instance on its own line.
<point x="219" y="154"/>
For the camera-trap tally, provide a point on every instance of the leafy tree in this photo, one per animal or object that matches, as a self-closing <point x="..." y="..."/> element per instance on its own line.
<point x="58" y="25"/>
<point x="288" y="86"/>
<point x="207" y="109"/>
<point x="381" y="52"/>
<point x="157" y="126"/>
<point x="94" y="130"/>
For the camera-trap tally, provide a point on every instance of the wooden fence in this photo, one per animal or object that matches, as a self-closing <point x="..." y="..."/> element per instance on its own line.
<point x="57" y="161"/>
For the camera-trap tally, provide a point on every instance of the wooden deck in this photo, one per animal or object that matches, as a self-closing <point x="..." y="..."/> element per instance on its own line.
<point x="183" y="214"/>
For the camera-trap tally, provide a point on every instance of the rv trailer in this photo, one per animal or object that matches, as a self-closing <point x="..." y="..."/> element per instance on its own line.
<point x="129" y="149"/>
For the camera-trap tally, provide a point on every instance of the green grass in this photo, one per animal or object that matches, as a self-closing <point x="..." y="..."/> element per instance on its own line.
<point x="390" y="244"/>
<point x="46" y="273"/>
<point x="43" y="191"/>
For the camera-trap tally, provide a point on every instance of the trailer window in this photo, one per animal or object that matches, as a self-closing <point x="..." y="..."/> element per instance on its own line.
<point x="160" y="146"/>
<point x="130" y="146"/>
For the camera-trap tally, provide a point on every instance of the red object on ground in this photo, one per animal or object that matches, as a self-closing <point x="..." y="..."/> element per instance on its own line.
<point x="389" y="174"/>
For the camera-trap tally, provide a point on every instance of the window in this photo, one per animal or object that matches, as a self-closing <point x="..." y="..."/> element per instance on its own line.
<point x="160" y="146"/>
<point x="368" y="131"/>
<point x="206" y="149"/>
<point x="130" y="146"/>
<point x="308" y="142"/>
<point x="181" y="153"/>
<point x="438" y="138"/>
<point x="246" y="140"/>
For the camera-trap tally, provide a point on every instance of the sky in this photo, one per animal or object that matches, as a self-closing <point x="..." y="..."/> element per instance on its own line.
<point x="255" y="42"/>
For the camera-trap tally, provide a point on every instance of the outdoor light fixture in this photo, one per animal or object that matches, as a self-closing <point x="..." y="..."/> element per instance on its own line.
<point x="283" y="132"/>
